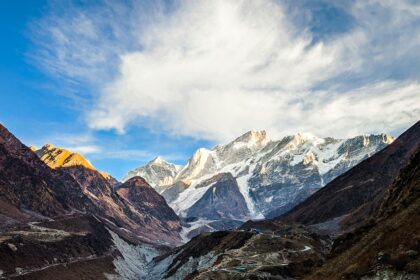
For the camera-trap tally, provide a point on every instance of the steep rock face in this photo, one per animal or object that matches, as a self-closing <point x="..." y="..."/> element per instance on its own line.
<point x="158" y="173"/>
<point x="300" y="197"/>
<point x="272" y="176"/>
<point x="222" y="200"/>
<point x="387" y="245"/>
<point x="134" y="206"/>
<point x="359" y="191"/>
<point x="404" y="191"/>
<point x="91" y="181"/>
<point x="149" y="209"/>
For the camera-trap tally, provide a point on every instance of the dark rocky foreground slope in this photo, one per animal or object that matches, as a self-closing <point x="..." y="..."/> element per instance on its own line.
<point x="70" y="247"/>
<point x="29" y="188"/>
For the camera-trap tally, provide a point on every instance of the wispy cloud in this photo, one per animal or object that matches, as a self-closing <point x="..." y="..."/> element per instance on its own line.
<point x="214" y="69"/>
<point x="84" y="143"/>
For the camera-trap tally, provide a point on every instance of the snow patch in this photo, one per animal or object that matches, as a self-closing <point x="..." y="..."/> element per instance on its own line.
<point x="133" y="265"/>
<point x="201" y="263"/>
<point x="307" y="248"/>
<point x="244" y="189"/>
<point x="192" y="226"/>
<point x="269" y="199"/>
<point x="188" y="197"/>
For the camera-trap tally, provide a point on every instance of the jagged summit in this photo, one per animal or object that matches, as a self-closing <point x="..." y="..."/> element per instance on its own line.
<point x="254" y="136"/>
<point x="157" y="172"/>
<point x="157" y="160"/>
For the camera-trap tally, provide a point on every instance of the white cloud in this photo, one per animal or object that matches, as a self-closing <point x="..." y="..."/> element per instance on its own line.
<point x="214" y="69"/>
<point x="135" y="155"/>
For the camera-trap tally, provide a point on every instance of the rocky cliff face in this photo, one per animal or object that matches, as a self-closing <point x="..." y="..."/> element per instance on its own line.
<point x="151" y="207"/>
<point x="133" y="205"/>
<point x="272" y="176"/>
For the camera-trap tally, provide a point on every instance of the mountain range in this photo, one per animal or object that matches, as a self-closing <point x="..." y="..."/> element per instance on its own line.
<point x="270" y="176"/>
<point x="348" y="209"/>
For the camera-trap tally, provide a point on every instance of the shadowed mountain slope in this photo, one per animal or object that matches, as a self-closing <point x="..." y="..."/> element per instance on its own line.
<point x="387" y="246"/>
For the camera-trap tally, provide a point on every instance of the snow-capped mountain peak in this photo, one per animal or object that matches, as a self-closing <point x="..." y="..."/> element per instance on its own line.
<point x="157" y="172"/>
<point x="202" y="160"/>
<point x="158" y="161"/>
<point x="200" y="156"/>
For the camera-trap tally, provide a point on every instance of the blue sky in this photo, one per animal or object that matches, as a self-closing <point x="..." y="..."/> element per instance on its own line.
<point x="37" y="108"/>
<point x="122" y="82"/>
